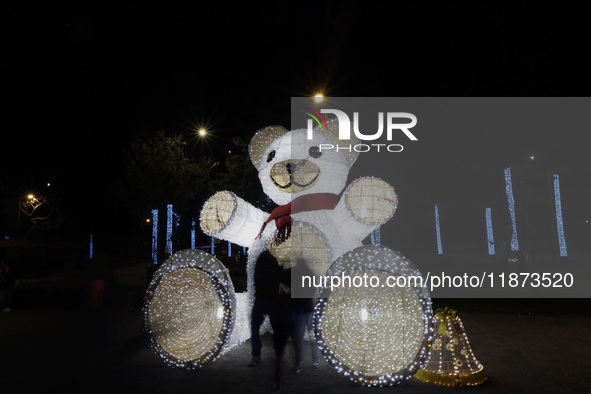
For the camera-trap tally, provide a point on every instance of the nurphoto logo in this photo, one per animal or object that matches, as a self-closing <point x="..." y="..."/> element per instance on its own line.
<point x="345" y="129"/>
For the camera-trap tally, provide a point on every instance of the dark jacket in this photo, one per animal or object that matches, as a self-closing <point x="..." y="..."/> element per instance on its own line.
<point x="267" y="276"/>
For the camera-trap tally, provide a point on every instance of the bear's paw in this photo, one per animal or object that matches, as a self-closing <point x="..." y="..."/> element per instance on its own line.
<point x="218" y="212"/>
<point x="371" y="200"/>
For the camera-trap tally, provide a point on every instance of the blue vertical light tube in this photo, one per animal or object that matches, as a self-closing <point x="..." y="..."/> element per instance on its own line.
<point x="169" y="229"/>
<point x="376" y="236"/>
<point x="212" y="246"/>
<point x="489" y="232"/>
<point x="511" y="202"/>
<point x="193" y="233"/>
<point x="91" y="246"/>
<point x="176" y="220"/>
<point x="229" y="249"/>
<point x="154" y="236"/>
<point x="439" y="248"/>
<point x="559" y="224"/>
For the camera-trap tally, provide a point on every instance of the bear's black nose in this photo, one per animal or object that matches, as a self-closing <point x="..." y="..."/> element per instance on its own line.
<point x="291" y="167"/>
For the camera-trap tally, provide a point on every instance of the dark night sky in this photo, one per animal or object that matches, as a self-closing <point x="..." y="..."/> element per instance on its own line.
<point x="83" y="80"/>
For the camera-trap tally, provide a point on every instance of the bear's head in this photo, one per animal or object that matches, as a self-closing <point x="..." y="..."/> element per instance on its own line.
<point x="290" y="165"/>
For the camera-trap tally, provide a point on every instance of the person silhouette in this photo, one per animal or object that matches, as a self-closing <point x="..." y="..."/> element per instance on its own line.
<point x="267" y="278"/>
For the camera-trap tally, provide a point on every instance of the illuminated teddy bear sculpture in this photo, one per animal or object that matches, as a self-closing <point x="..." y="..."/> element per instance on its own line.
<point x="375" y="335"/>
<point x="304" y="176"/>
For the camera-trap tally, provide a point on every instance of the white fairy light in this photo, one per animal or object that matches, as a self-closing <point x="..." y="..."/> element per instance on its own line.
<point x="363" y="314"/>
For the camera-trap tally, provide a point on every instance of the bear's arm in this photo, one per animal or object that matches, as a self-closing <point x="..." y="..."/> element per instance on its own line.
<point x="366" y="204"/>
<point x="226" y="216"/>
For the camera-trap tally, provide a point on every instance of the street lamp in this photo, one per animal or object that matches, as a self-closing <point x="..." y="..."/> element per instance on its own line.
<point x="318" y="97"/>
<point x="202" y="132"/>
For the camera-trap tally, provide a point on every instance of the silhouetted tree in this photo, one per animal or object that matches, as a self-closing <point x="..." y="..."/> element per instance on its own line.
<point x="160" y="172"/>
<point x="241" y="177"/>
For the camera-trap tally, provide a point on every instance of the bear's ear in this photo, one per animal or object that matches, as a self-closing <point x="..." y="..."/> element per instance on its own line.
<point x="333" y="134"/>
<point x="261" y="140"/>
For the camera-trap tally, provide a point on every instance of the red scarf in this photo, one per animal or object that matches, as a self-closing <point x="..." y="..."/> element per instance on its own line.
<point x="305" y="203"/>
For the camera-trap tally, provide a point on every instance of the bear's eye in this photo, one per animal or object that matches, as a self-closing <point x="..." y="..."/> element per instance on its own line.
<point x="315" y="152"/>
<point x="271" y="156"/>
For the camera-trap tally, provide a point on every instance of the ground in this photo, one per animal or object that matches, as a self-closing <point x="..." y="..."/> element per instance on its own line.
<point x="105" y="350"/>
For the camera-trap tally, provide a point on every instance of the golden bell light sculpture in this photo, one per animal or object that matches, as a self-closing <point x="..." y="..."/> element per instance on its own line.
<point x="450" y="361"/>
